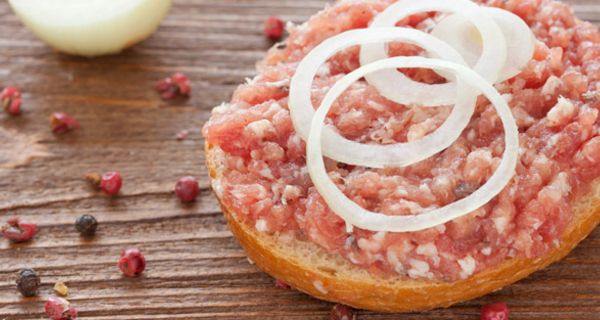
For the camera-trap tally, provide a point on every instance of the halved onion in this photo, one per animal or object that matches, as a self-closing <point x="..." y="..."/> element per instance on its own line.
<point x="376" y="156"/>
<point x="355" y="215"/>
<point x="463" y="36"/>
<point x="395" y="86"/>
<point x="91" y="27"/>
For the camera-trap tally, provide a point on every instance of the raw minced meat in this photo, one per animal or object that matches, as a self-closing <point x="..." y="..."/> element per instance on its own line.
<point x="555" y="101"/>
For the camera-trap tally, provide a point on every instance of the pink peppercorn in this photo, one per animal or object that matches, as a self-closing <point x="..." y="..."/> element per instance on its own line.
<point x="111" y="183"/>
<point x="341" y="312"/>
<point x="281" y="284"/>
<point x="132" y="262"/>
<point x="495" y="311"/>
<point x="274" y="28"/>
<point x="58" y="309"/>
<point x="17" y="231"/>
<point x="177" y="85"/>
<point x="71" y="314"/>
<point x="182" y="135"/>
<point x="10" y="98"/>
<point x="187" y="189"/>
<point x="62" y="122"/>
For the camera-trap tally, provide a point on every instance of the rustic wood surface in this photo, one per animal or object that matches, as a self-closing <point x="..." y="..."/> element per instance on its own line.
<point x="195" y="268"/>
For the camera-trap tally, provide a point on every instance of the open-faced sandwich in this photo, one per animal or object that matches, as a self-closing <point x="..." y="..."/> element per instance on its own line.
<point x="407" y="155"/>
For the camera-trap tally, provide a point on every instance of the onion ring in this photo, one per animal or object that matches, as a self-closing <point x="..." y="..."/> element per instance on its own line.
<point x="462" y="36"/>
<point x="388" y="82"/>
<point x="347" y="151"/>
<point x="355" y="215"/>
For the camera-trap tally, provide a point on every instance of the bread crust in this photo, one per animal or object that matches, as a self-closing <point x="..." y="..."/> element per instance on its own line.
<point x="349" y="286"/>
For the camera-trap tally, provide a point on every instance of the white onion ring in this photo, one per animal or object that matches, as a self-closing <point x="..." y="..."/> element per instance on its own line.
<point x="460" y="33"/>
<point x="389" y="82"/>
<point x="355" y="215"/>
<point x="347" y="151"/>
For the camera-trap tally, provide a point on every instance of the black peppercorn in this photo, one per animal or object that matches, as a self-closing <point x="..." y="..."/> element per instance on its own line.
<point x="28" y="282"/>
<point x="86" y="225"/>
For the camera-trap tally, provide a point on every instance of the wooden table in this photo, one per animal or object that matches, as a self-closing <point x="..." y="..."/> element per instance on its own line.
<point x="195" y="268"/>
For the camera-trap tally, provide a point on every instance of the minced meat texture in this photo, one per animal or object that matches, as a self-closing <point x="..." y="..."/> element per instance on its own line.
<point x="555" y="102"/>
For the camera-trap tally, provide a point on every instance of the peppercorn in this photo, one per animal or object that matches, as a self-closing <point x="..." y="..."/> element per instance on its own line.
<point x="495" y="311"/>
<point x="61" y="122"/>
<point x="111" y="183"/>
<point x="132" y="262"/>
<point x="17" y="231"/>
<point x="71" y="314"/>
<point x="182" y="135"/>
<point x="187" y="189"/>
<point x="341" y="312"/>
<point x="28" y="282"/>
<point x="86" y="225"/>
<point x="58" y="309"/>
<point x="10" y="98"/>
<point x="175" y="86"/>
<point x="282" y="284"/>
<point x="274" y="28"/>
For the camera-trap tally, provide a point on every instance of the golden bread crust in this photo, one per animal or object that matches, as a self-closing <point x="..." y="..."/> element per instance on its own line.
<point x="351" y="285"/>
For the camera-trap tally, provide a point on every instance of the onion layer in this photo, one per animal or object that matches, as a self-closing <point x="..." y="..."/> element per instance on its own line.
<point x="395" y="86"/>
<point x="376" y="156"/>
<point x="463" y="36"/>
<point x="471" y="34"/>
<point x="355" y="215"/>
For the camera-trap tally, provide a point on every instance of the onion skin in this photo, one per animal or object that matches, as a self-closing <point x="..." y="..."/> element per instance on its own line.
<point x="101" y="35"/>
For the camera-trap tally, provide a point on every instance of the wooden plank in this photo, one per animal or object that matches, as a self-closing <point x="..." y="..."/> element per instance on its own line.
<point x="196" y="270"/>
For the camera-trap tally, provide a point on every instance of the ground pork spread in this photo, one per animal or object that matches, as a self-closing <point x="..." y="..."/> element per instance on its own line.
<point x="555" y="102"/>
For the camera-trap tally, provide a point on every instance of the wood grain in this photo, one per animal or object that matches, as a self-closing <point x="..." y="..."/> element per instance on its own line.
<point x="196" y="270"/>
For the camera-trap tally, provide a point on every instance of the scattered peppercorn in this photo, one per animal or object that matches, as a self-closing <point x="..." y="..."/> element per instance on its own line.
<point x="86" y="225"/>
<point x="71" y="314"/>
<point x="281" y="284"/>
<point x="132" y="262"/>
<point x="495" y="311"/>
<point x="17" y="231"/>
<point x="28" y="282"/>
<point x="55" y="307"/>
<point x="10" y="98"/>
<point x="274" y="28"/>
<point x="61" y="289"/>
<point x="182" y="135"/>
<point x="342" y="312"/>
<point x="58" y="309"/>
<point x="94" y="179"/>
<point x="175" y="86"/>
<point x="61" y="122"/>
<point x="111" y="183"/>
<point x="187" y="189"/>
